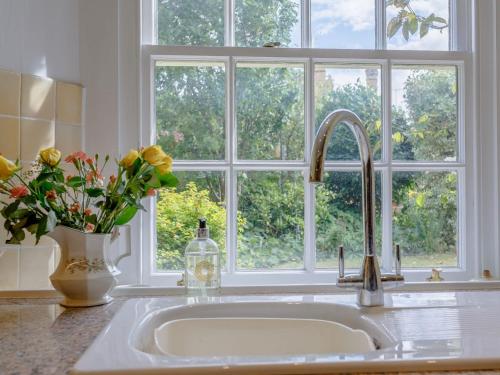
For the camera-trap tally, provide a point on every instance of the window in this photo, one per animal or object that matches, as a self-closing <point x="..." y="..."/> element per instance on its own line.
<point x="240" y="120"/>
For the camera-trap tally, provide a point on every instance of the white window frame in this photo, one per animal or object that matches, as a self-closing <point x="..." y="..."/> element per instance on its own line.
<point x="462" y="57"/>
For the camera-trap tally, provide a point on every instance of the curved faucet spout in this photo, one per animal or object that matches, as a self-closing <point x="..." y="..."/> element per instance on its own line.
<point x="369" y="281"/>
<point x="317" y="167"/>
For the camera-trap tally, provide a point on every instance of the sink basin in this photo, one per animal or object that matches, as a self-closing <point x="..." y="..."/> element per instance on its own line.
<point x="257" y="329"/>
<point x="202" y="337"/>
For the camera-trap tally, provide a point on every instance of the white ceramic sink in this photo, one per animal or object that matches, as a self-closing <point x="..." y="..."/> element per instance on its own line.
<point x="202" y="337"/>
<point x="299" y="334"/>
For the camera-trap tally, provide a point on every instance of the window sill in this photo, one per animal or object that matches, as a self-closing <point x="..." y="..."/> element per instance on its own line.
<point x="151" y="291"/>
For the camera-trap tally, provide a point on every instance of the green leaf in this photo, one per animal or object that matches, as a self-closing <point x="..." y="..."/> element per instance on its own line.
<point x="412" y="23"/>
<point x="76" y="181"/>
<point x="126" y="215"/>
<point x="424" y="29"/>
<point x="168" y="180"/>
<point x="406" y="31"/>
<point x="393" y="26"/>
<point x="42" y="228"/>
<point x="94" y="192"/>
<point x="420" y="200"/>
<point x="91" y="219"/>
<point x="440" y="20"/>
<point x="19" y="214"/>
<point x="10" y="209"/>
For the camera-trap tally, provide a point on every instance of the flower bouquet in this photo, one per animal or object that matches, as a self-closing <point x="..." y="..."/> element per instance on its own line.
<point x="45" y="196"/>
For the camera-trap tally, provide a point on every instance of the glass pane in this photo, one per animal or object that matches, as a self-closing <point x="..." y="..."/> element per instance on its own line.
<point x="190" y="109"/>
<point x="270" y="111"/>
<point x="356" y="88"/>
<point x="270" y="220"/>
<point x="262" y="21"/>
<point x="343" y="24"/>
<point x="199" y="194"/>
<point x="418" y="24"/>
<point x="191" y="22"/>
<point x="424" y="113"/>
<point x="339" y="219"/>
<point x="425" y="218"/>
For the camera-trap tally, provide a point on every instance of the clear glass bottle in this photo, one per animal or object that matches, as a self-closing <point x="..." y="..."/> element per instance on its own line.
<point x="202" y="260"/>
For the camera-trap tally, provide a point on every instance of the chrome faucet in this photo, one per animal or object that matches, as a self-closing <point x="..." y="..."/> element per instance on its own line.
<point x="369" y="281"/>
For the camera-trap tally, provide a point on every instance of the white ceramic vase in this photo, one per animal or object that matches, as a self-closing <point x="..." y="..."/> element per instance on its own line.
<point x="85" y="274"/>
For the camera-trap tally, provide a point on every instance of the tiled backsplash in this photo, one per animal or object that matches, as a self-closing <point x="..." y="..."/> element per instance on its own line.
<point x="35" y="113"/>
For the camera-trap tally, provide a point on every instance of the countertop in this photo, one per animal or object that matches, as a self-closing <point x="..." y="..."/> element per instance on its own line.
<point x="37" y="336"/>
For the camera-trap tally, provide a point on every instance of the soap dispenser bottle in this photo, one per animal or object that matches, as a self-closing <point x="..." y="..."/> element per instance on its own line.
<point x="202" y="260"/>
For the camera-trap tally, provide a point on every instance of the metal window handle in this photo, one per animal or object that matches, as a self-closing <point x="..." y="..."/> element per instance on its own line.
<point x="398" y="260"/>
<point x="341" y="262"/>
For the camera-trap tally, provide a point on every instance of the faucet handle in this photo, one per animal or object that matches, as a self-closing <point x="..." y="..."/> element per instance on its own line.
<point x="341" y="262"/>
<point x="397" y="260"/>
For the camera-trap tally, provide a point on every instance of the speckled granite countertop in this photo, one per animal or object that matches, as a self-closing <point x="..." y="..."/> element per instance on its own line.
<point x="37" y="336"/>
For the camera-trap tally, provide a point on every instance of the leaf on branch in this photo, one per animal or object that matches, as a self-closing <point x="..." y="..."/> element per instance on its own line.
<point x="126" y="215"/>
<point x="393" y="26"/>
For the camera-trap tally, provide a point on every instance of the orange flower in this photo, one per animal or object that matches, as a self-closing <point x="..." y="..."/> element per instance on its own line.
<point x="19" y="191"/>
<point x="79" y="155"/>
<point x="51" y="195"/>
<point x="89" y="227"/>
<point x="151" y="192"/>
<point x="87" y="212"/>
<point x="75" y="207"/>
<point x="112" y="178"/>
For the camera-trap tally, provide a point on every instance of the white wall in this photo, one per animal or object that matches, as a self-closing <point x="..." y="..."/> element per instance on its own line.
<point x="40" y="37"/>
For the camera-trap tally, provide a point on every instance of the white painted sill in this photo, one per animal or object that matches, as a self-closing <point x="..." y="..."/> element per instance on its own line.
<point x="151" y="291"/>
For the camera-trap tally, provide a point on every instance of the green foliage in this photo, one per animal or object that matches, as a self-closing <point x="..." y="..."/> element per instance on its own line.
<point x="409" y="22"/>
<point x="272" y="206"/>
<point x="176" y="221"/>
<point x="269" y="109"/>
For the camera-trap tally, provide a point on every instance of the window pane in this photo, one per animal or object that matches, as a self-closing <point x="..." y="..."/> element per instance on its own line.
<point x="343" y="24"/>
<point x="424" y="112"/>
<point x="270" y="220"/>
<point x="339" y="219"/>
<point x="270" y="111"/>
<point x="262" y="21"/>
<point x="190" y="109"/>
<point x="191" y="22"/>
<point x="199" y="194"/>
<point x="418" y="24"/>
<point x="352" y="87"/>
<point x="425" y="218"/>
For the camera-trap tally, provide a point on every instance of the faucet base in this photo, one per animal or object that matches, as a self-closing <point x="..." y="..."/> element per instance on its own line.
<point x="368" y="298"/>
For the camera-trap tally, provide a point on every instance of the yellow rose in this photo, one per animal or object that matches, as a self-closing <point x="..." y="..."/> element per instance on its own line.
<point x="129" y="159"/>
<point x="50" y="156"/>
<point x="154" y="155"/>
<point x="7" y="168"/>
<point x="166" y="167"/>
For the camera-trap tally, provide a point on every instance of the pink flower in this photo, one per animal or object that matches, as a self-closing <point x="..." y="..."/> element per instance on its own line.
<point x="178" y="136"/>
<point x="78" y="155"/>
<point x="89" y="227"/>
<point x="19" y="191"/>
<point x="89" y="161"/>
<point x="87" y="212"/>
<point x="151" y="192"/>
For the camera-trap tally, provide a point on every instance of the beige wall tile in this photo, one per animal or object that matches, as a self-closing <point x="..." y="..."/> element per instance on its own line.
<point x="37" y="97"/>
<point x="9" y="137"/>
<point x="36" y="135"/>
<point x="36" y="264"/>
<point x="10" y="93"/>
<point x="9" y="264"/>
<point x="69" y="103"/>
<point x="68" y="138"/>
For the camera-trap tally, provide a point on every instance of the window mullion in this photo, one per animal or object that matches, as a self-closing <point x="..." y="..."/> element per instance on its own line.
<point x="380" y="41"/>
<point x="306" y="23"/>
<point x="232" y="198"/>
<point x="229" y="23"/>
<point x="309" y="198"/>
<point x="387" y="241"/>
